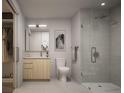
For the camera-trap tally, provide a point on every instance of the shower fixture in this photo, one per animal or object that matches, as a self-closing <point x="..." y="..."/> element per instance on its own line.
<point x="94" y="54"/>
<point x="101" y="17"/>
<point x="93" y="51"/>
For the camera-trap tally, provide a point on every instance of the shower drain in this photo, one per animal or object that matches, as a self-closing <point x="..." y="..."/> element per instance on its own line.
<point x="99" y="86"/>
<point x="89" y="88"/>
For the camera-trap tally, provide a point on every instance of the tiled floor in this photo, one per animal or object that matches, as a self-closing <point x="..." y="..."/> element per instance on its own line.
<point x="53" y="86"/>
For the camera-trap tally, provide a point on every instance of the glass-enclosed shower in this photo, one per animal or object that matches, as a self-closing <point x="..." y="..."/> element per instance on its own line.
<point x="100" y="42"/>
<point x="98" y="35"/>
<point x="95" y="46"/>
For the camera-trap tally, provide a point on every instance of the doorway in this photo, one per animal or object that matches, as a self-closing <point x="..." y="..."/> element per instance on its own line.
<point x="8" y="47"/>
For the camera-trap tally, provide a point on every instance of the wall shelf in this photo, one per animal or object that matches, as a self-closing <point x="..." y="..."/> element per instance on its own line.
<point x="7" y="20"/>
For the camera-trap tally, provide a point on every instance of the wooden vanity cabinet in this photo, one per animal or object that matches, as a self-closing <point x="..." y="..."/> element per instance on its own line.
<point x="28" y="70"/>
<point x="37" y="69"/>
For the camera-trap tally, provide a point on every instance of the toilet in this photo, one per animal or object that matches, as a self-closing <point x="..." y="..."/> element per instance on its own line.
<point x="62" y="70"/>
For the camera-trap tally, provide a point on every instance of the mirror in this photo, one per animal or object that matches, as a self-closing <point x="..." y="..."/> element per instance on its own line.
<point x="36" y="40"/>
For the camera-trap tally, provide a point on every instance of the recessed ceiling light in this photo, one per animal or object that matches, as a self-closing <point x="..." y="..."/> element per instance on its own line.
<point x="31" y="25"/>
<point x="103" y="4"/>
<point x="42" y="25"/>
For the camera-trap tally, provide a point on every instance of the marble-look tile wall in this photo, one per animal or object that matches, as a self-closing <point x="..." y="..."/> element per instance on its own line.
<point x="115" y="45"/>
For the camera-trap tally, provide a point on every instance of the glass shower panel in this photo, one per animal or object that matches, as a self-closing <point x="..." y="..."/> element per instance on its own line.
<point x="95" y="33"/>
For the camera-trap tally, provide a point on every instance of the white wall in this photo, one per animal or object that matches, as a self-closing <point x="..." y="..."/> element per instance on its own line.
<point x="53" y="25"/>
<point x="116" y="45"/>
<point x="75" y="34"/>
<point x="20" y="28"/>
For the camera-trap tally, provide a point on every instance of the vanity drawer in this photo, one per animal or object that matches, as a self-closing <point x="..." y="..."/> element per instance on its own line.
<point x="28" y="62"/>
<point x="27" y="65"/>
<point x="27" y="74"/>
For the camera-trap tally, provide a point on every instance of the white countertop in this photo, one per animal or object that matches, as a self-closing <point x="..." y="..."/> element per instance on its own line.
<point x="38" y="57"/>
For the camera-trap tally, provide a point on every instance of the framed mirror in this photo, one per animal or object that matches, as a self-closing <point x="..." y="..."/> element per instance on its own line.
<point x="36" y="39"/>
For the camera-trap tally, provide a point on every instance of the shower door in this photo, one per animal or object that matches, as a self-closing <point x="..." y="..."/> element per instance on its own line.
<point x="95" y="33"/>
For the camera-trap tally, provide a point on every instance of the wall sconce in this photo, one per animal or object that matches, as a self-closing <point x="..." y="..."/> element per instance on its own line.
<point x="33" y="25"/>
<point x="41" y="25"/>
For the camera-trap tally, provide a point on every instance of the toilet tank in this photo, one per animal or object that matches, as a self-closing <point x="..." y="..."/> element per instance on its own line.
<point x="60" y="62"/>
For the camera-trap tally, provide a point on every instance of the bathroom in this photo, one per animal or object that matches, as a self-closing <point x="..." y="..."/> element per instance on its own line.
<point x="90" y="49"/>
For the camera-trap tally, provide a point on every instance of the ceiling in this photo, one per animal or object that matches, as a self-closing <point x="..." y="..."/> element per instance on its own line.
<point x="5" y="6"/>
<point x="60" y="8"/>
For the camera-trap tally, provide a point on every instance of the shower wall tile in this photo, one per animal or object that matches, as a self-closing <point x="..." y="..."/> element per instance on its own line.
<point x="116" y="45"/>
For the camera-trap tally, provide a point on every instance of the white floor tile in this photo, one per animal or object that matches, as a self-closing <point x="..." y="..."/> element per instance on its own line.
<point x="53" y="86"/>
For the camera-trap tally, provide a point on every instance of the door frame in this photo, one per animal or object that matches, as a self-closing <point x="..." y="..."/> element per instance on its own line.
<point x="14" y="11"/>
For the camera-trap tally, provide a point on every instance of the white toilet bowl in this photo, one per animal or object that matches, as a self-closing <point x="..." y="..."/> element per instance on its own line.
<point x="63" y="72"/>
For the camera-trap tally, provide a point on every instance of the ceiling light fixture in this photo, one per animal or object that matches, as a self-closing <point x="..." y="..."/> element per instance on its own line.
<point x="103" y="4"/>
